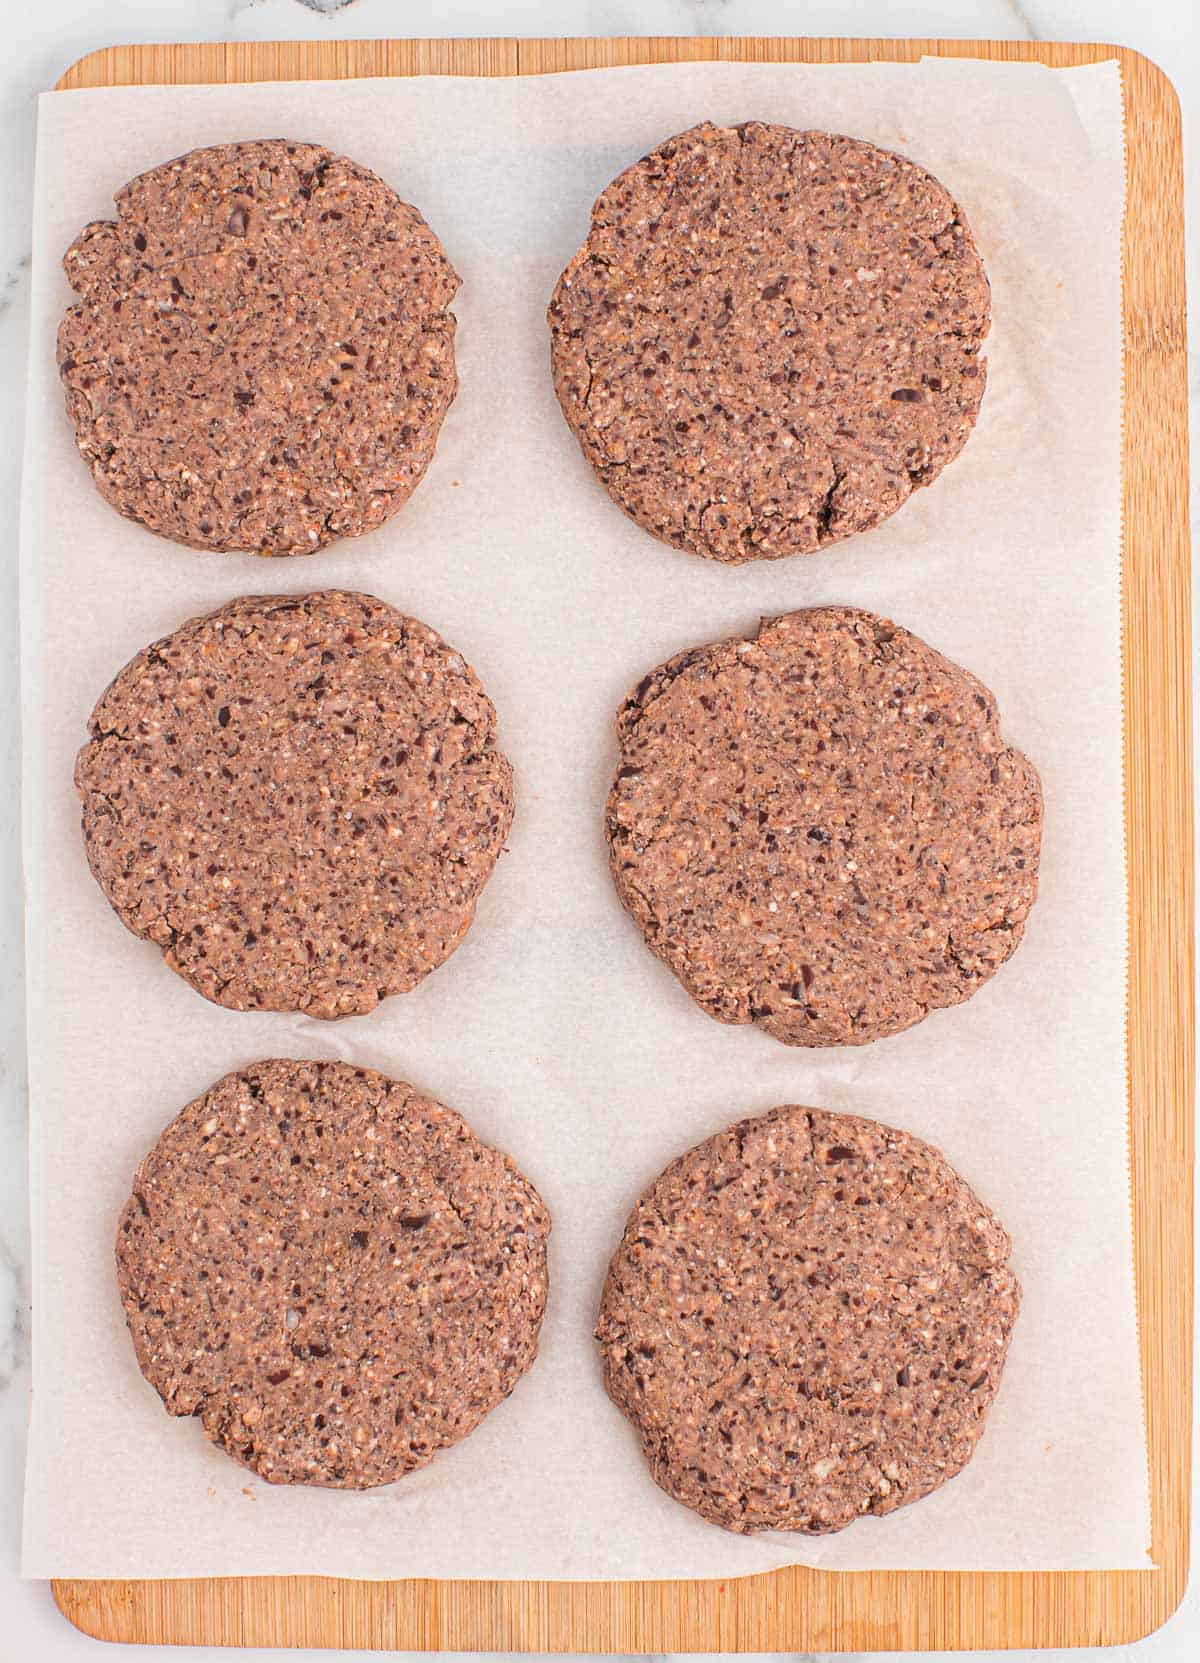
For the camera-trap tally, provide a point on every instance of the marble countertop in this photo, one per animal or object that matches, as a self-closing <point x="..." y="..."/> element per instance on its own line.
<point x="50" y="37"/>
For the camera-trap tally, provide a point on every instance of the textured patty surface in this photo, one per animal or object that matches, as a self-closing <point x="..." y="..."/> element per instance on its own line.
<point x="331" y="1272"/>
<point x="822" y="830"/>
<point x="262" y="354"/>
<point x="299" y="799"/>
<point x="806" y="1321"/>
<point x="770" y="338"/>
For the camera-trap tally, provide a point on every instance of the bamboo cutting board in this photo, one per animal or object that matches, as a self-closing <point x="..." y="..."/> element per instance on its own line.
<point x="800" y="1609"/>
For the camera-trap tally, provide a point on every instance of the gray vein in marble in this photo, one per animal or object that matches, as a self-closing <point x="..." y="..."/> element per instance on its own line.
<point x="323" y="8"/>
<point x="11" y="283"/>
<point x="12" y="1316"/>
<point x="1022" y="17"/>
<point x="700" y="17"/>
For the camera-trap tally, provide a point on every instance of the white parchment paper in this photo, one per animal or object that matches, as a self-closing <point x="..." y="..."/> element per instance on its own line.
<point x="553" y="1029"/>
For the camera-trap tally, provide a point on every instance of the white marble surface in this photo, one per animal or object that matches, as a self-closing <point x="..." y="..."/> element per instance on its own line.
<point x="40" y="43"/>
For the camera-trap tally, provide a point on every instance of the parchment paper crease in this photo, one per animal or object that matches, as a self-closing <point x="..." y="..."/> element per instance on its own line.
<point x="553" y="1029"/>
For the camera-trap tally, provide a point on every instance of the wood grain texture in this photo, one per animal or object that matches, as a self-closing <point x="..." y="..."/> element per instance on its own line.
<point x="800" y="1609"/>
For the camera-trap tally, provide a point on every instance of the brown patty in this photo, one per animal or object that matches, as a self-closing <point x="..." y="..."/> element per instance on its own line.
<point x="806" y="1320"/>
<point x="262" y="356"/>
<point x="331" y="1272"/>
<point x="298" y="798"/>
<point x="770" y="338"/>
<point x="822" y="830"/>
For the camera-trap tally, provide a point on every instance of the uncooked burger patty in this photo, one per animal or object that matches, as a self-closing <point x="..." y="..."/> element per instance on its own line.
<point x="299" y="799"/>
<point x="262" y="355"/>
<point x="331" y="1271"/>
<point x="770" y="338"/>
<point x="822" y="830"/>
<point x="806" y="1321"/>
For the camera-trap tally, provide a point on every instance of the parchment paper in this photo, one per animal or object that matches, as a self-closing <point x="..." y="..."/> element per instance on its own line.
<point x="553" y="1029"/>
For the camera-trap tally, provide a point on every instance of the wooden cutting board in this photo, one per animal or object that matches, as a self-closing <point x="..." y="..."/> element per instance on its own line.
<point x="798" y="1609"/>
